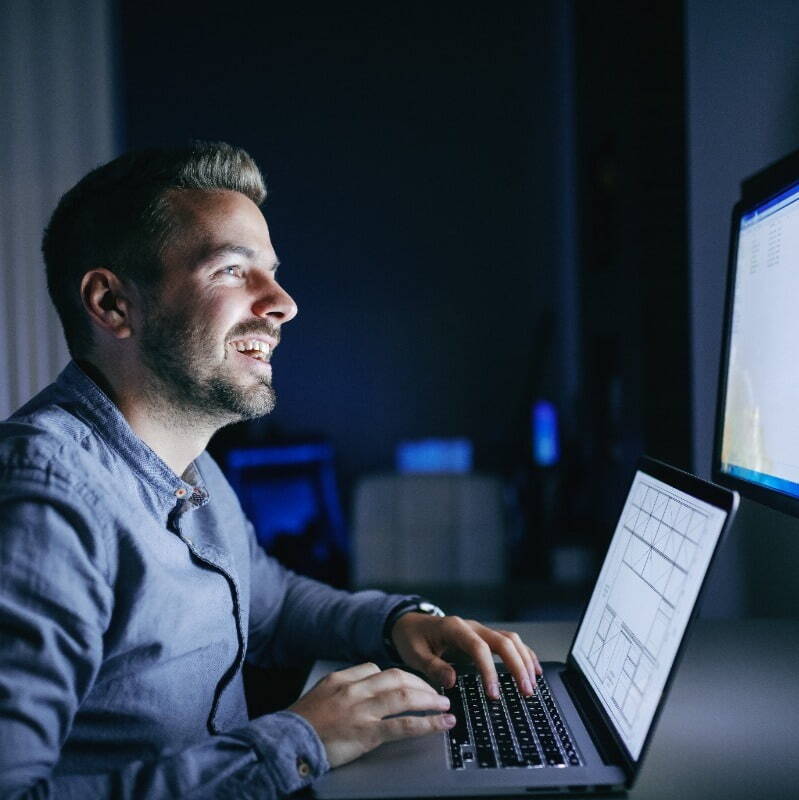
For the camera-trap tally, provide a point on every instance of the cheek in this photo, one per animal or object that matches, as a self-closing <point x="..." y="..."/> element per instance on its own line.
<point x="213" y="325"/>
<point x="213" y="315"/>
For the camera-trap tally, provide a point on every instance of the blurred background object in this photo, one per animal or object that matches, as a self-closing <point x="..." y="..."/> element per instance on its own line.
<point x="289" y="493"/>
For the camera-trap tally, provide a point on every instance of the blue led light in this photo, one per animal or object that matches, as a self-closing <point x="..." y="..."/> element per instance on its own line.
<point x="546" y="448"/>
<point x="434" y="455"/>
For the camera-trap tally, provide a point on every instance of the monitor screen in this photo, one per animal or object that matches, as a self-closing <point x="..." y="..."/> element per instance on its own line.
<point x="758" y="439"/>
<point x="642" y="601"/>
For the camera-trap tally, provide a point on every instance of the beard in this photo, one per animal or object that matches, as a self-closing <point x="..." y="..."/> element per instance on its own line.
<point x="189" y="379"/>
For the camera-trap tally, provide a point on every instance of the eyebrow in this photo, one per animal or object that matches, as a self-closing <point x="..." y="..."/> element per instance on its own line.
<point x="233" y="249"/>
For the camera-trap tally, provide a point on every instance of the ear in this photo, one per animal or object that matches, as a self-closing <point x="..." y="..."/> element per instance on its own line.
<point x="107" y="302"/>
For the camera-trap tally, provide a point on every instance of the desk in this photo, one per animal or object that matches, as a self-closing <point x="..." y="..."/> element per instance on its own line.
<point x="730" y="728"/>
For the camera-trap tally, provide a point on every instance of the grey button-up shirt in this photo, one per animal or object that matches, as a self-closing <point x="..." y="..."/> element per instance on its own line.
<point x="129" y="598"/>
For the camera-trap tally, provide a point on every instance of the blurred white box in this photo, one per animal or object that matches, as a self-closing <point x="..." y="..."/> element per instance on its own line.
<point x="428" y="528"/>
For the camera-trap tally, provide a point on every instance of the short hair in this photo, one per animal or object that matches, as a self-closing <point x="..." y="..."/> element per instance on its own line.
<point x="118" y="217"/>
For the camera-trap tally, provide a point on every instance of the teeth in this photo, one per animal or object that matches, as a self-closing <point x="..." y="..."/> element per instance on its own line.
<point x="252" y="345"/>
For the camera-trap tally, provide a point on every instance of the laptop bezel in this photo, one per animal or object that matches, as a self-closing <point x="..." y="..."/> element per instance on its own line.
<point x="597" y="719"/>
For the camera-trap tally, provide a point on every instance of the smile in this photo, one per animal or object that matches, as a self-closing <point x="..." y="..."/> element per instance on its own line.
<point x="254" y="348"/>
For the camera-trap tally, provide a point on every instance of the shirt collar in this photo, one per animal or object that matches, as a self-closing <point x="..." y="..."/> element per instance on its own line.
<point x="109" y="423"/>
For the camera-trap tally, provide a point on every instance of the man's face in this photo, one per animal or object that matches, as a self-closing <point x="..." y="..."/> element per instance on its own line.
<point x="209" y="336"/>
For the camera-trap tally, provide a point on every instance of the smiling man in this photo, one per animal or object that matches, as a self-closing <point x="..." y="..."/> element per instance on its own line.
<point x="131" y="585"/>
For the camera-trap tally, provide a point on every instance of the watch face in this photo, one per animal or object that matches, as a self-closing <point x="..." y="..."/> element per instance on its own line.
<point x="430" y="608"/>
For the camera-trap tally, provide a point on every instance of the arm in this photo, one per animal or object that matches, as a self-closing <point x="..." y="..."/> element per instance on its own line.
<point x="56" y="601"/>
<point x="295" y="620"/>
<point x="348" y="708"/>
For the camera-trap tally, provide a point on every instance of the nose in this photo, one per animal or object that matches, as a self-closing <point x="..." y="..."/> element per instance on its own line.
<point x="275" y="304"/>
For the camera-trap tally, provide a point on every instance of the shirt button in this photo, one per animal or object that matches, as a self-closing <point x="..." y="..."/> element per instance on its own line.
<point x="303" y="768"/>
<point x="189" y="542"/>
<point x="180" y="492"/>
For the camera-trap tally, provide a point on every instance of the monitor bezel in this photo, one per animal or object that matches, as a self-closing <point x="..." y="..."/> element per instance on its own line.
<point x="755" y="191"/>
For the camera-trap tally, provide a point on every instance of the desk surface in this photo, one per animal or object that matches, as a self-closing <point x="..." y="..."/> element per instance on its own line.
<point x="730" y="727"/>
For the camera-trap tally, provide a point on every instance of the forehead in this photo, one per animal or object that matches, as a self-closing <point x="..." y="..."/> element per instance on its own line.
<point x="204" y="222"/>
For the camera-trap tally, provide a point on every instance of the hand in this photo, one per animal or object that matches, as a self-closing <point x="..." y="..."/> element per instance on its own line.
<point x="348" y="710"/>
<point x="422" y="641"/>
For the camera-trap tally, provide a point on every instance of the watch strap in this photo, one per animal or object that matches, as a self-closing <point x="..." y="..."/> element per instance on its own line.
<point x="414" y="603"/>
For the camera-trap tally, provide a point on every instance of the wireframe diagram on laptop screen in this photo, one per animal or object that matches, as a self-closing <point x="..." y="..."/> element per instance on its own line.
<point x="760" y="435"/>
<point x="643" y="600"/>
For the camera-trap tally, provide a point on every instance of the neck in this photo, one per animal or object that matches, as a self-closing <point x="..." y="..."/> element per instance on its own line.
<point x="176" y="435"/>
<point x="176" y="438"/>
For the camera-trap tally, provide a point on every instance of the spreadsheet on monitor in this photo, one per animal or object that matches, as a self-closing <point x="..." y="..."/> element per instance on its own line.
<point x="760" y="435"/>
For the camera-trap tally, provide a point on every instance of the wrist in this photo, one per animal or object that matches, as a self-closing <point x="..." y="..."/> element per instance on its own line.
<point x="414" y="604"/>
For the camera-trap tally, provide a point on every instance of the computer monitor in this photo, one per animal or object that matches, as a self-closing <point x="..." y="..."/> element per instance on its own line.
<point x="757" y="424"/>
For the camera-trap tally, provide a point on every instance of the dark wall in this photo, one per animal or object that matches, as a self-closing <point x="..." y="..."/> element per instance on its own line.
<point x="633" y="281"/>
<point x="409" y="154"/>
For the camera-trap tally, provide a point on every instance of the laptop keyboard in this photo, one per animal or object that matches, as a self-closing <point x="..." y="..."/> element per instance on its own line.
<point x="514" y="731"/>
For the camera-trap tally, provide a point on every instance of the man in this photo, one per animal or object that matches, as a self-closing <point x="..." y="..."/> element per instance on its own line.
<point x="132" y="586"/>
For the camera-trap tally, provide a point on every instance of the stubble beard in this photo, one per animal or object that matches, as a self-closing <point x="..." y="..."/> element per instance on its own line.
<point x="189" y="385"/>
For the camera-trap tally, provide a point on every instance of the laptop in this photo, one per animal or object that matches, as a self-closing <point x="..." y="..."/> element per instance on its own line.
<point x="588" y="725"/>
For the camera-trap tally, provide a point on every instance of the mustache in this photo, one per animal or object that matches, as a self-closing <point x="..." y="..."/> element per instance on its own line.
<point x="260" y="328"/>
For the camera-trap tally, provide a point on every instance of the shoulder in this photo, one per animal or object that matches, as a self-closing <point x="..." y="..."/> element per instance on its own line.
<point x="51" y="454"/>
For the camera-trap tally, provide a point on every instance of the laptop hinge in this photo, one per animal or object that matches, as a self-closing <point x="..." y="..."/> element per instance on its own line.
<point x="608" y="748"/>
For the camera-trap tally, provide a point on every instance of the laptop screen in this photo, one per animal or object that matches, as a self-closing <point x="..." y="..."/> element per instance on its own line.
<point x="643" y="600"/>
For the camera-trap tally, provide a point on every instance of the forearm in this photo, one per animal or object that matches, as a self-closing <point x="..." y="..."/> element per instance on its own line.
<point x="317" y="621"/>
<point x="295" y="620"/>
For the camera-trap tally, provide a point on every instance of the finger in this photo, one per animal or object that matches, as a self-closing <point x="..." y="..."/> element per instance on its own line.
<point x="406" y="727"/>
<point x="356" y="673"/>
<point x="392" y="679"/>
<point x="539" y="670"/>
<point x="400" y="701"/>
<point x="466" y="639"/>
<point x="525" y="654"/>
<point x="437" y="669"/>
<point x="503" y="646"/>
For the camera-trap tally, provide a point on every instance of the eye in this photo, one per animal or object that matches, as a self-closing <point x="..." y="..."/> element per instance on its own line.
<point x="233" y="271"/>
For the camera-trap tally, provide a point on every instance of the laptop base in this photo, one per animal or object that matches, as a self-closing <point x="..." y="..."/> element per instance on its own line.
<point x="420" y="767"/>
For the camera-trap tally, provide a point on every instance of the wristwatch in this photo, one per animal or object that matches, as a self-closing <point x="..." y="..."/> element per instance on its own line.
<point x="413" y="603"/>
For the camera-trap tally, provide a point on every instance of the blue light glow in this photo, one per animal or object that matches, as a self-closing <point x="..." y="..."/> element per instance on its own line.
<point x="286" y="488"/>
<point x="762" y="478"/>
<point x="434" y="455"/>
<point x="546" y="448"/>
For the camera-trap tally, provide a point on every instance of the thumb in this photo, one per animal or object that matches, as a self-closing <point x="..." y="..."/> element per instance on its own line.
<point x="436" y="669"/>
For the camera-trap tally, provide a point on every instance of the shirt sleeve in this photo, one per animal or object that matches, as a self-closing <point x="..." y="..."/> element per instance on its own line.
<point x="55" y="603"/>
<point x="295" y="620"/>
